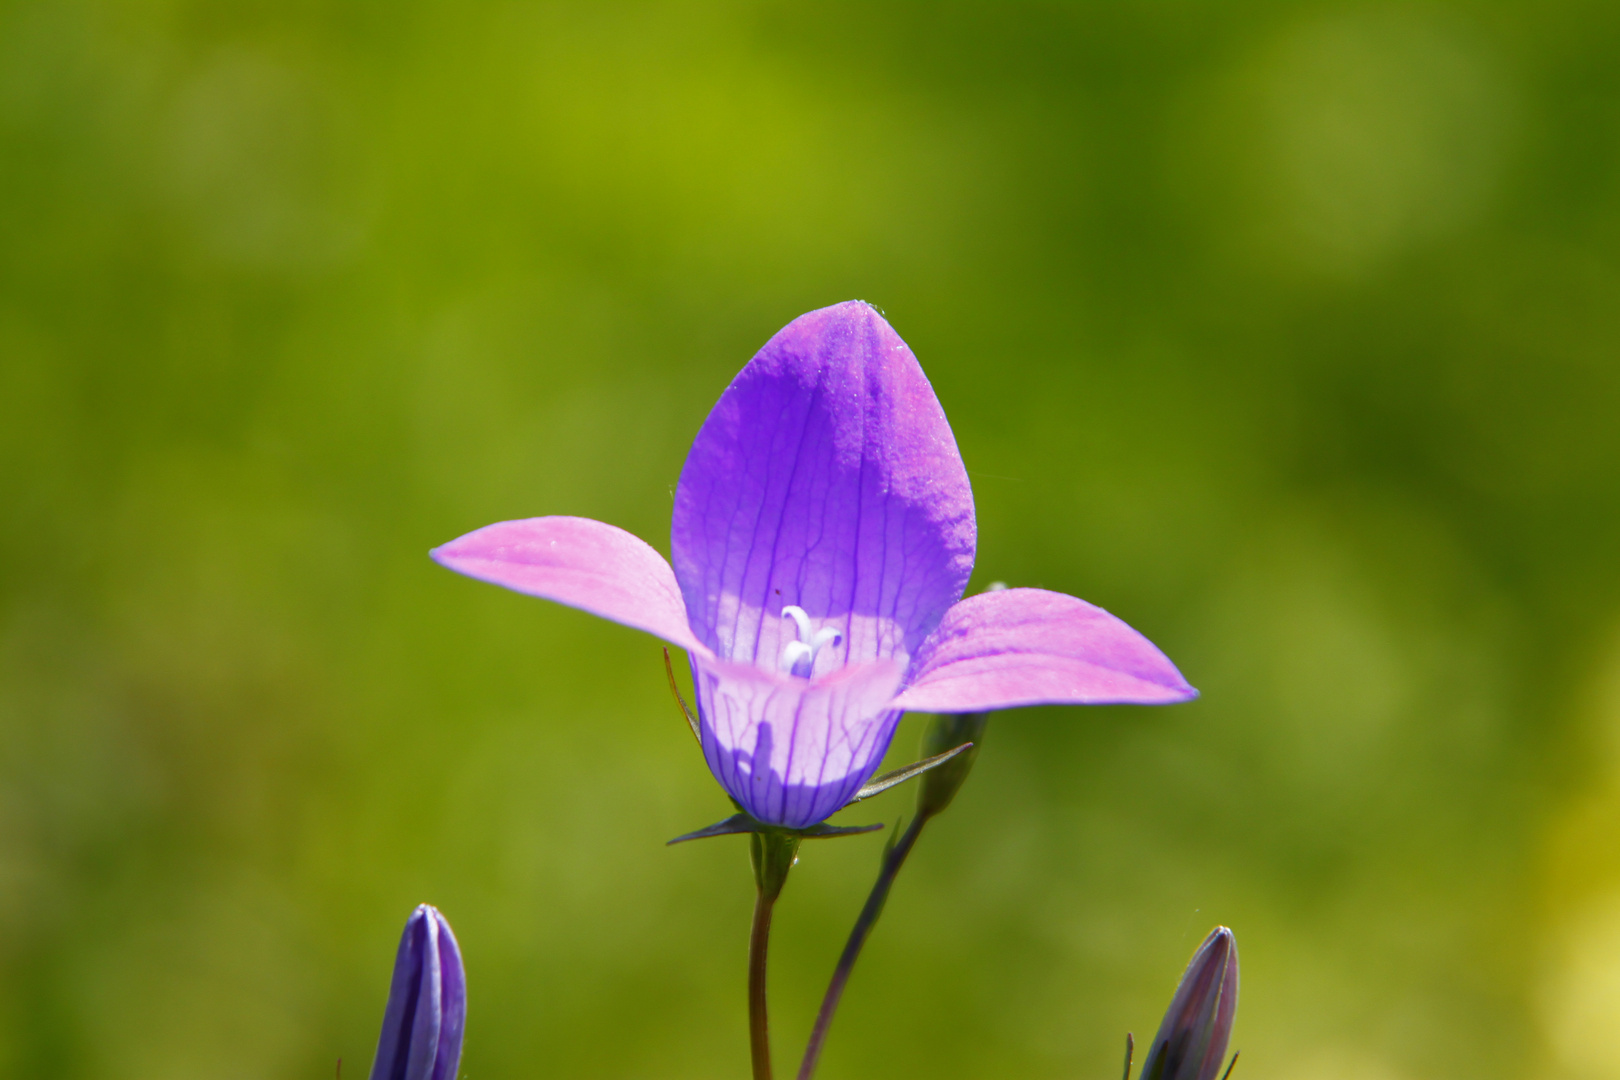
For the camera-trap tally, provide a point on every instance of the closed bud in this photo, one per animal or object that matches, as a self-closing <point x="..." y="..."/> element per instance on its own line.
<point x="941" y="783"/>
<point x="427" y="1004"/>
<point x="1191" y="1042"/>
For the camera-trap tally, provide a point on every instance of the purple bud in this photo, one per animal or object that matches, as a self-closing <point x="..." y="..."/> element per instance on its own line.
<point x="427" y="1004"/>
<point x="1191" y="1042"/>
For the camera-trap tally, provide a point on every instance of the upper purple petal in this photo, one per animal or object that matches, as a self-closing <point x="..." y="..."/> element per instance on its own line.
<point x="794" y="751"/>
<point x="1015" y="647"/>
<point x="825" y="477"/>
<point x="576" y="561"/>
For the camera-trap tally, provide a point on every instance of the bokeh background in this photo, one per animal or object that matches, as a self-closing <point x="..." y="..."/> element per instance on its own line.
<point x="1286" y="331"/>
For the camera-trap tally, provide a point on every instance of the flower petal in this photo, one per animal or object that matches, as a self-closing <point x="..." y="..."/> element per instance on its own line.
<point x="794" y="751"/>
<point x="579" y="562"/>
<point x="1016" y="647"/>
<point x="826" y="477"/>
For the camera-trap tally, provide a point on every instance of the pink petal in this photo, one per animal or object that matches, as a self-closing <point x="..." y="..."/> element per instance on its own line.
<point x="1016" y="647"/>
<point x="581" y="563"/>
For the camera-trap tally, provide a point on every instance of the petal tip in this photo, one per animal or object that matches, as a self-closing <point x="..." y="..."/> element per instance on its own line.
<point x="846" y="316"/>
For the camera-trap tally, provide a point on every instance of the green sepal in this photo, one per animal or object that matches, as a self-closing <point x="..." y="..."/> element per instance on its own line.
<point x="743" y="823"/>
<point x="736" y="823"/>
<point x="692" y="721"/>
<point x="879" y="784"/>
<point x="825" y="831"/>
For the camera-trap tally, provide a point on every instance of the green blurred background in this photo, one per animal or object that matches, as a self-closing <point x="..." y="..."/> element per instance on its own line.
<point x="1286" y="331"/>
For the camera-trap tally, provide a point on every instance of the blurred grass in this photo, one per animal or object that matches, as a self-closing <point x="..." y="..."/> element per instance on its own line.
<point x="1286" y="331"/>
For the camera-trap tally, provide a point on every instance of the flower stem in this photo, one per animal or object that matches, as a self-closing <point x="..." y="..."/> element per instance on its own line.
<point x="893" y="860"/>
<point x="774" y="853"/>
<point x="759" y="1025"/>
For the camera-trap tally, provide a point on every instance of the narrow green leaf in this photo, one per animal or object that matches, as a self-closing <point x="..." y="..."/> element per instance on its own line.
<point x="883" y="783"/>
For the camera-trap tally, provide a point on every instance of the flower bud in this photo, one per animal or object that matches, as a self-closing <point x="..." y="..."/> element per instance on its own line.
<point x="940" y="784"/>
<point x="1191" y="1042"/>
<point x="427" y="1004"/>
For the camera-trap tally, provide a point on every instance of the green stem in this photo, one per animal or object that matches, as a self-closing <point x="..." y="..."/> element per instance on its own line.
<point x="939" y="787"/>
<point x="893" y="860"/>
<point x="774" y="854"/>
<point x="759" y="1024"/>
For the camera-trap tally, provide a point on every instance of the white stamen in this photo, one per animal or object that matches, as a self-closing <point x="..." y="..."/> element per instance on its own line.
<point x="799" y="657"/>
<point x="794" y="654"/>
<point x="800" y="619"/>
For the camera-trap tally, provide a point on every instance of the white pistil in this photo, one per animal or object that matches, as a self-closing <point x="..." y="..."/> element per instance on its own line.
<point x="799" y="657"/>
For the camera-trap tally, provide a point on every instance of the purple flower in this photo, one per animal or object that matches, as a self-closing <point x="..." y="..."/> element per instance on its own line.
<point x="427" y="1004"/>
<point x="1192" y="1039"/>
<point x="822" y="536"/>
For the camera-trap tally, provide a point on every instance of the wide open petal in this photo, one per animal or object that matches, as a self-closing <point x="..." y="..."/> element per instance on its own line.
<point x="1016" y="647"/>
<point x="825" y="477"/>
<point x="579" y="562"/>
<point x="794" y="751"/>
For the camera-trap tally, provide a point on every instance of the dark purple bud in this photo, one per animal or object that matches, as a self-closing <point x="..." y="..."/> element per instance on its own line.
<point x="1191" y="1042"/>
<point x="427" y="1004"/>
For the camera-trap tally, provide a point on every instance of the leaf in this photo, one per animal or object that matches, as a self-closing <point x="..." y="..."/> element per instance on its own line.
<point x="883" y="783"/>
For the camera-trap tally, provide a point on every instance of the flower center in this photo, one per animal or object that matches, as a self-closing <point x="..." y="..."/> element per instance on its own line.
<point x="799" y="657"/>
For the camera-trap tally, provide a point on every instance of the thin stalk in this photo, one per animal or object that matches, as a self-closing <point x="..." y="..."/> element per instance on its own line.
<point x="759" y="1024"/>
<point x="773" y="853"/>
<point x="893" y="860"/>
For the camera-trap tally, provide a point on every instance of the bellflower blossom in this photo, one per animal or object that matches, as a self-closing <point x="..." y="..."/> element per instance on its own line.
<point x="823" y="533"/>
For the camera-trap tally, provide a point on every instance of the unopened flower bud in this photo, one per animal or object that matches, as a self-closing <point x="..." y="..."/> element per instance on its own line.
<point x="1191" y="1042"/>
<point x="427" y="1004"/>
<point x="940" y="784"/>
